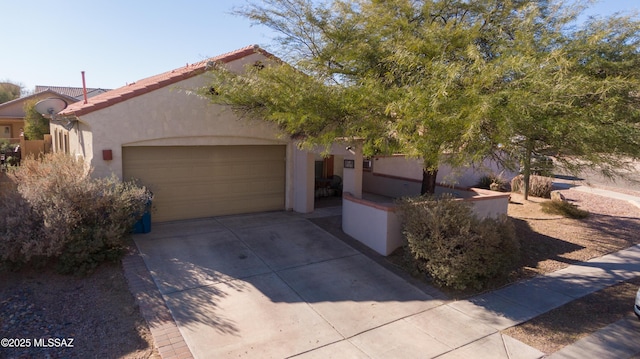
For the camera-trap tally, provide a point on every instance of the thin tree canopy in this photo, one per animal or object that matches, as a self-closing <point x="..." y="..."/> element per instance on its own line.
<point x="9" y="91"/>
<point x="449" y="81"/>
<point x="35" y="125"/>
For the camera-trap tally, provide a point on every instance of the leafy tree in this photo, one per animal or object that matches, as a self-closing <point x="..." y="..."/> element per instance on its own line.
<point x="35" y="125"/>
<point x="9" y="91"/>
<point x="572" y="95"/>
<point x="445" y="81"/>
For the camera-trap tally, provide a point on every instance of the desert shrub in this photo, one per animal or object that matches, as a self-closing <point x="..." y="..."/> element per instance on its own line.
<point x="564" y="208"/>
<point x="6" y="146"/>
<point x="539" y="186"/>
<point x="21" y="229"/>
<point x="453" y="246"/>
<point x="542" y="165"/>
<point x="59" y="212"/>
<point x="493" y="182"/>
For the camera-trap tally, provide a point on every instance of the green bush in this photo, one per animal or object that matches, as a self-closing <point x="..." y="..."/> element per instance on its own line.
<point x="6" y="146"/>
<point x="539" y="186"/>
<point x="563" y="208"/>
<point x="453" y="246"/>
<point x="60" y="213"/>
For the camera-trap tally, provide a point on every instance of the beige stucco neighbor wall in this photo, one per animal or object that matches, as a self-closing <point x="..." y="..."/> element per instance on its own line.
<point x="401" y="166"/>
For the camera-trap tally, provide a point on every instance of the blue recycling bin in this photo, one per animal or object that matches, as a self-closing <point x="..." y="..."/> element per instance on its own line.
<point x="143" y="225"/>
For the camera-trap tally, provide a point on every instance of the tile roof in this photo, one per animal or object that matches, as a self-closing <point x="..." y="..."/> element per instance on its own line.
<point x="155" y="82"/>
<point x="37" y="95"/>
<point x="75" y="92"/>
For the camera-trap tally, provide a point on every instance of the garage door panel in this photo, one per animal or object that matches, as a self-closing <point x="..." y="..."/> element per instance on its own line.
<point x="204" y="181"/>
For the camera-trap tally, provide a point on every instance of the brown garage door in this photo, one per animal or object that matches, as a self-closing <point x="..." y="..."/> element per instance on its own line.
<point x="205" y="181"/>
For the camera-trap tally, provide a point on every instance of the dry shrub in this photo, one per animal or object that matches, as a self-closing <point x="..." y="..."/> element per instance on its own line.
<point x="539" y="186"/>
<point x="564" y="208"/>
<point x="453" y="246"/>
<point x="494" y="182"/>
<point x="21" y="230"/>
<point x="59" y="212"/>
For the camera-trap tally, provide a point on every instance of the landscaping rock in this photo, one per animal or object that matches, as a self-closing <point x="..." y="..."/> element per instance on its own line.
<point x="557" y="196"/>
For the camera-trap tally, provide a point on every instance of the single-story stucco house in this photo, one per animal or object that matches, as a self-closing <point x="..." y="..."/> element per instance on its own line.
<point x="199" y="159"/>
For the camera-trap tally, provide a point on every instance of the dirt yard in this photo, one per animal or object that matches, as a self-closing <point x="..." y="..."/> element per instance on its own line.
<point x="97" y="312"/>
<point x="551" y="242"/>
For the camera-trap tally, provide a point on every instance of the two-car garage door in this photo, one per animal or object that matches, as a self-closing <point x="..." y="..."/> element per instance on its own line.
<point x="205" y="181"/>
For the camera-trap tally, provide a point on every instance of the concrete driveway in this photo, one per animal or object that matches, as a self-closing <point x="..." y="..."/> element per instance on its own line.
<point x="275" y="285"/>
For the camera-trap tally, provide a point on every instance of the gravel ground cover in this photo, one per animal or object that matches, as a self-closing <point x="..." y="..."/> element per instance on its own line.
<point x="569" y="323"/>
<point x="40" y="311"/>
<point x="554" y="242"/>
<point x="551" y="242"/>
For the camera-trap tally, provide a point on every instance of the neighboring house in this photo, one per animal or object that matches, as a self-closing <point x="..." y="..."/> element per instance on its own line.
<point x="77" y="93"/>
<point x="12" y="113"/>
<point x="199" y="159"/>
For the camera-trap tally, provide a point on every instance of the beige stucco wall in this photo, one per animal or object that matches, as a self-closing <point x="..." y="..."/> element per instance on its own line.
<point x="169" y="116"/>
<point x="410" y="168"/>
<point x="375" y="225"/>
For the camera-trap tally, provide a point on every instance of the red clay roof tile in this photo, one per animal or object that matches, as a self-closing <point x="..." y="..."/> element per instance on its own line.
<point x="149" y="84"/>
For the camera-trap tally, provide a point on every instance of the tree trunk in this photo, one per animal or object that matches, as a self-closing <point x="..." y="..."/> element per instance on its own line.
<point x="428" y="181"/>
<point x="527" y="170"/>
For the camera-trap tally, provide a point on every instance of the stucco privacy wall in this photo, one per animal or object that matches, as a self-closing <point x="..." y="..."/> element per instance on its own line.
<point x="411" y="168"/>
<point x="377" y="225"/>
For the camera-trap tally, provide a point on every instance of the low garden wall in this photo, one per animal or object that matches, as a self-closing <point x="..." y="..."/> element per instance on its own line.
<point x="378" y="225"/>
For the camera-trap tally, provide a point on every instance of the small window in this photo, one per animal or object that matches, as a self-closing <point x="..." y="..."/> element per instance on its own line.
<point x="66" y="143"/>
<point x="5" y="131"/>
<point x="59" y="145"/>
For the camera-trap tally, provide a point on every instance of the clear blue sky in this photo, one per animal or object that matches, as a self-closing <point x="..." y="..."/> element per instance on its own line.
<point x="115" y="42"/>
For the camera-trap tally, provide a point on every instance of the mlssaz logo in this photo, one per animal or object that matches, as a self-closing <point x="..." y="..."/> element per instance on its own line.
<point x="54" y="342"/>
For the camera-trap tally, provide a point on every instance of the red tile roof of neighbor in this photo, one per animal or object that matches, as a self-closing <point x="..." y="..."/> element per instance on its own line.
<point x="152" y="83"/>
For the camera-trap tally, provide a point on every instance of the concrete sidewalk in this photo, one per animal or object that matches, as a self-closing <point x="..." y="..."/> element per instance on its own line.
<point x="616" y="341"/>
<point x="522" y="301"/>
<point x="610" y="194"/>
